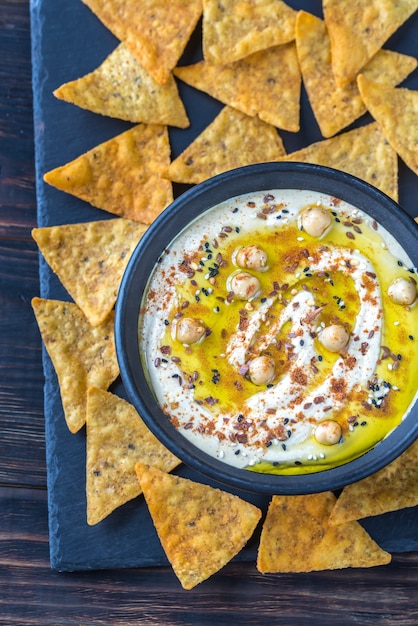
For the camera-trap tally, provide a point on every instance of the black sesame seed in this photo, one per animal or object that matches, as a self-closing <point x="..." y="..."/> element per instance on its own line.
<point x="320" y="357"/>
<point x="298" y="462"/>
<point x="411" y="337"/>
<point x="284" y="446"/>
<point x="400" y="263"/>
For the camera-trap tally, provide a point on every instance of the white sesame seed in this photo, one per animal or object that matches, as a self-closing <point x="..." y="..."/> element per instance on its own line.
<point x="301" y="239"/>
<point x="221" y="454"/>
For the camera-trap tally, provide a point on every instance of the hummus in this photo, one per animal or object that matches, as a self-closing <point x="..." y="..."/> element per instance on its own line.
<point x="273" y="341"/>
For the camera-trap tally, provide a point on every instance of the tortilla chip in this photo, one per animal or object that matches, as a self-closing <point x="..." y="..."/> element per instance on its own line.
<point x="296" y="538"/>
<point x="117" y="439"/>
<point x="392" y="488"/>
<point x="200" y="528"/>
<point x="156" y="31"/>
<point x="122" y="175"/>
<point x="233" y="29"/>
<point x="336" y="107"/>
<point x="82" y="356"/>
<point x="396" y="111"/>
<point x="233" y="139"/>
<point x="363" y="152"/>
<point x="359" y="28"/>
<point x="121" y="88"/>
<point x="90" y="259"/>
<point x="266" y="83"/>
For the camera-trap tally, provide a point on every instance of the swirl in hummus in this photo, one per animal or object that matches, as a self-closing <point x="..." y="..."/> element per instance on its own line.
<point x="278" y="332"/>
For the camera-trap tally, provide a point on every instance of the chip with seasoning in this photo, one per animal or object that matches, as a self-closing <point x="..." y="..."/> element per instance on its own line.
<point x="117" y="439"/>
<point x="363" y="152"/>
<point x="82" y="356"/>
<point x="296" y="537"/>
<point x="156" y="31"/>
<point x="336" y="107"/>
<point x="396" y="111"/>
<point x="200" y="528"/>
<point x="121" y="88"/>
<point x="266" y="83"/>
<point x="392" y="488"/>
<point x="122" y="175"/>
<point x="89" y="259"/>
<point x="233" y="29"/>
<point x="233" y="139"/>
<point x="359" y="28"/>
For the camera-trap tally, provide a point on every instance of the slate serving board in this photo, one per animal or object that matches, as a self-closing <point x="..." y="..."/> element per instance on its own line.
<point x="67" y="42"/>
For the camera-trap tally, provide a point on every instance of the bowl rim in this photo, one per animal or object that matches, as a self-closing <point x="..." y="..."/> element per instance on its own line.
<point x="185" y="208"/>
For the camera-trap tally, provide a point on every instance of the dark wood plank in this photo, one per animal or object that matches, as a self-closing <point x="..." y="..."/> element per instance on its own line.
<point x="30" y="593"/>
<point x="17" y="171"/>
<point x="21" y="397"/>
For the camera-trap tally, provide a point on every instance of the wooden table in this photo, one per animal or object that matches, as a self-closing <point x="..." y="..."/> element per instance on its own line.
<point x="30" y="592"/>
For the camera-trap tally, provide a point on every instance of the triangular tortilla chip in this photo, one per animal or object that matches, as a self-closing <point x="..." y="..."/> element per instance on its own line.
<point x="233" y="29"/>
<point x="156" y="31"/>
<point x="90" y="259"/>
<point x="363" y="152"/>
<point x="359" y="28"/>
<point x="233" y="139"/>
<point x="200" y="528"/>
<point x="82" y="356"/>
<point x="336" y="107"/>
<point x="121" y="88"/>
<point x="392" y="488"/>
<point x="396" y="111"/>
<point x="117" y="439"/>
<point x="122" y="175"/>
<point x="266" y="83"/>
<point x="296" y="537"/>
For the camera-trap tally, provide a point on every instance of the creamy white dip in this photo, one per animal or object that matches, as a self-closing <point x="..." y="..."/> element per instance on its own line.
<point x="308" y="283"/>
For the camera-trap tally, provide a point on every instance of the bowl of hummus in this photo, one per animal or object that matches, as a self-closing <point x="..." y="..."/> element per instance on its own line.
<point x="267" y="328"/>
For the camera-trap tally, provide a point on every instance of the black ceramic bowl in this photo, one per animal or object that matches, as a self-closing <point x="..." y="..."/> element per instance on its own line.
<point x="159" y="235"/>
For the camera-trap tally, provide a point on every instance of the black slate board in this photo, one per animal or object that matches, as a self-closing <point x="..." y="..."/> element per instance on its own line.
<point x="67" y="42"/>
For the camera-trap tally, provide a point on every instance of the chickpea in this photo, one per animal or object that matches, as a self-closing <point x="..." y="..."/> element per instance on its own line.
<point x="261" y="370"/>
<point x="189" y="330"/>
<point x="334" y="338"/>
<point x="315" y="220"/>
<point x="403" y="291"/>
<point x="328" y="433"/>
<point x="251" y="257"/>
<point x="244" y="285"/>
